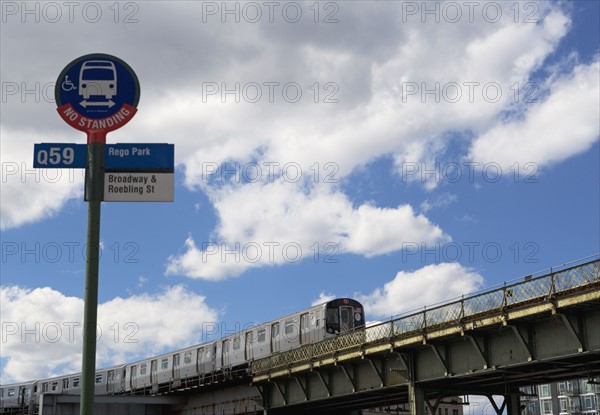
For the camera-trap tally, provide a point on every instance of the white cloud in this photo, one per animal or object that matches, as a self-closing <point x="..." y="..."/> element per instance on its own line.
<point x="323" y="298"/>
<point x="42" y="329"/>
<point x="367" y="64"/>
<point x="29" y="194"/>
<point x="283" y="224"/>
<point x="439" y="201"/>
<point x="566" y="123"/>
<point x="426" y="286"/>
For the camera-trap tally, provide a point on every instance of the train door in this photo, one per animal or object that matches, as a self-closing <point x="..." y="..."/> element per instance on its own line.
<point x="304" y="329"/>
<point x="225" y="353"/>
<point x="213" y="357"/>
<point x="23" y="395"/>
<point x="154" y="374"/>
<point x="249" y="346"/>
<point x="176" y="370"/>
<point x="110" y="382"/>
<point x="123" y="379"/>
<point x="133" y="377"/>
<point x="275" y="347"/>
<point x="346" y="320"/>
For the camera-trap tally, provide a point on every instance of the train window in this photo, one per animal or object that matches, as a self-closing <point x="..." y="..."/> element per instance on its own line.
<point x="207" y="353"/>
<point x="187" y="357"/>
<point x="262" y="335"/>
<point x="164" y="364"/>
<point x="225" y="346"/>
<point x="11" y="392"/>
<point x="274" y="330"/>
<point x="143" y="368"/>
<point x="332" y="316"/>
<point x="99" y="378"/>
<point x="75" y="382"/>
<point x="133" y="372"/>
<point x="54" y="386"/>
<point x="45" y="387"/>
<point x="236" y="342"/>
<point x="176" y="358"/>
<point x="111" y="375"/>
<point x="65" y="383"/>
<point x="288" y="327"/>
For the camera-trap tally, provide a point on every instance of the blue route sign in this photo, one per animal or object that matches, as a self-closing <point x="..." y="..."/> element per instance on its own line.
<point x="97" y="92"/>
<point x="123" y="157"/>
<point x="139" y="157"/>
<point x="59" y="156"/>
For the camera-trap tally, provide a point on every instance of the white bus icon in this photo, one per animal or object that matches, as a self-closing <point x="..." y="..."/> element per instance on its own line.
<point x="98" y="78"/>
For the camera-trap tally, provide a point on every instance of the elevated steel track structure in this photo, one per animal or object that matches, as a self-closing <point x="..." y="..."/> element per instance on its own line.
<point x="540" y="329"/>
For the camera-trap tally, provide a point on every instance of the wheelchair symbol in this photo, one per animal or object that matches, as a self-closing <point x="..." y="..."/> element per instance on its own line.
<point x="67" y="85"/>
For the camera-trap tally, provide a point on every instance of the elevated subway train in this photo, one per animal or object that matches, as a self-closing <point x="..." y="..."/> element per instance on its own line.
<point x="204" y="363"/>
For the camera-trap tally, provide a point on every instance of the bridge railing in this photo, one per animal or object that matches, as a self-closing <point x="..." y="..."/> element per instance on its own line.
<point x="544" y="285"/>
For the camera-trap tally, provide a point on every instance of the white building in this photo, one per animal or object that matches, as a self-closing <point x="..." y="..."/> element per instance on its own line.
<point x="571" y="397"/>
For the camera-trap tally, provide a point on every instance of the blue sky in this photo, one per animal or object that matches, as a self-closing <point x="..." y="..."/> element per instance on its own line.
<point x="428" y="156"/>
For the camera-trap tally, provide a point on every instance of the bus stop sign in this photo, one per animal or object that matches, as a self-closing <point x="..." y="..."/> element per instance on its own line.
<point x="97" y="92"/>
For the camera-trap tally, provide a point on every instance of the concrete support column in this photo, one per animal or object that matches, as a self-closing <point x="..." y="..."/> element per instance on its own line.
<point x="416" y="398"/>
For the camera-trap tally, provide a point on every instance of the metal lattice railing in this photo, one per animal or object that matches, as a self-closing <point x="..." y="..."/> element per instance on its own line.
<point x="549" y="284"/>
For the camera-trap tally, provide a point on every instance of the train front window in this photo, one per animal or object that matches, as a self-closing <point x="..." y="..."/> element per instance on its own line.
<point x="332" y="321"/>
<point x="333" y="317"/>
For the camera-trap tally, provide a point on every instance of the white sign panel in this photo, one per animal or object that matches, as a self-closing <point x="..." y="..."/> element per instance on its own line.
<point x="138" y="187"/>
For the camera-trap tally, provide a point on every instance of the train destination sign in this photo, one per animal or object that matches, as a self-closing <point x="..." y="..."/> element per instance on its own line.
<point x="97" y="92"/>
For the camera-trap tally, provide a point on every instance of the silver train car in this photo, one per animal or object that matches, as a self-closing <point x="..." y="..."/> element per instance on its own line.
<point x="206" y="363"/>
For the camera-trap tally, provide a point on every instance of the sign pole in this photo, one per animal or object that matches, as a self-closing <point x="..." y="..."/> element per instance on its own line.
<point x="96" y="94"/>
<point x="94" y="189"/>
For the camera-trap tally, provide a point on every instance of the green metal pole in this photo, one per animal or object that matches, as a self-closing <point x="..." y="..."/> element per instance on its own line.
<point x="94" y="192"/>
